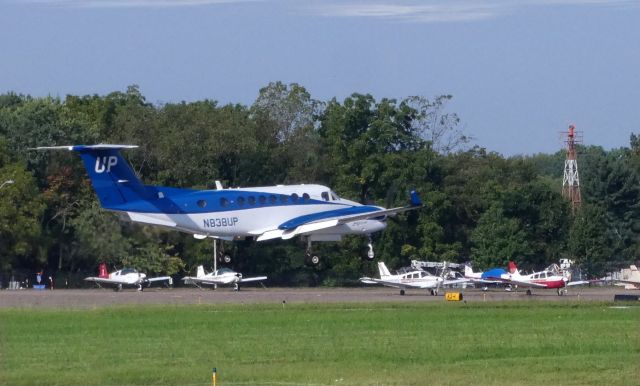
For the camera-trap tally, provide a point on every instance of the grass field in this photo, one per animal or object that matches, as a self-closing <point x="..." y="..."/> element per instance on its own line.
<point x="323" y="344"/>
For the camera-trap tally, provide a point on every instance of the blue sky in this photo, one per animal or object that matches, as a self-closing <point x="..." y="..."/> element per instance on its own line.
<point x="519" y="71"/>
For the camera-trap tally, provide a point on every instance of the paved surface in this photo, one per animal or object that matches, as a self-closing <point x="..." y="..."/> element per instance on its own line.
<point x="90" y="298"/>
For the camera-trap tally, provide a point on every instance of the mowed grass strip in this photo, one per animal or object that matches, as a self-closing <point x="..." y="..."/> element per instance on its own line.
<point x="350" y="344"/>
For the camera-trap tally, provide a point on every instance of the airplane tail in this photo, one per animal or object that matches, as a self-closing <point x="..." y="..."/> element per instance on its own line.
<point x="200" y="272"/>
<point x="468" y="271"/>
<point x="513" y="269"/>
<point x="384" y="271"/>
<point x="102" y="271"/>
<point x="112" y="178"/>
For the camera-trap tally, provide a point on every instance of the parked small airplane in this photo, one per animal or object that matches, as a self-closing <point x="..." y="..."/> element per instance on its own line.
<point x="550" y="278"/>
<point x="261" y="213"/>
<point x="482" y="278"/>
<point x="630" y="278"/>
<point x="408" y="277"/>
<point x="126" y="276"/>
<point x="222" y="276"/>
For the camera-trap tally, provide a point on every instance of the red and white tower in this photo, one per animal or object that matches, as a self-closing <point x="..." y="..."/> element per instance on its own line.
<point x="571" y="180"/>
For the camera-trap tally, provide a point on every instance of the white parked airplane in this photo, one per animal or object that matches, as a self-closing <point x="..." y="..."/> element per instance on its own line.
<point x="408" y="277"/>
<point x="223" y="276"/>
<point x="630" y="278"/>
<point x="261" y="213"/>
<point x="126" y="276"/>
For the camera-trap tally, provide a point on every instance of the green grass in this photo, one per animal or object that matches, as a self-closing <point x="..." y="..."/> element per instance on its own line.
<point x="364" y="344"/>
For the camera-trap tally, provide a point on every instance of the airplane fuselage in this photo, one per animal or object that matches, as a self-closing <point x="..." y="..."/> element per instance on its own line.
<point x="248" y="212"/>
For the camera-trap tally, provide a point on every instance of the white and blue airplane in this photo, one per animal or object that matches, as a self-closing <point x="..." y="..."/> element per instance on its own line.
<point x="313" y="212"/>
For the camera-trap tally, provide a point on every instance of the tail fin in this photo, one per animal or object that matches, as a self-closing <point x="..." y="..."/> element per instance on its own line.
<point x="384" y="271"/>
<point x="468" y="271"/>
<point x="200" y="272"/>
<point x="111" y="176"/>
<point x="102" y="271"/>
<point x="513" y="269"/>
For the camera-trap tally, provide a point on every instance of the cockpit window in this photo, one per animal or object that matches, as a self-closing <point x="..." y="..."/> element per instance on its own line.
<point x="128" y="270"/>
<point x="325" y="196"/>
<point x="334" y="196"/>
<point x="294" y="197"/>
<point x="305" y="197"/>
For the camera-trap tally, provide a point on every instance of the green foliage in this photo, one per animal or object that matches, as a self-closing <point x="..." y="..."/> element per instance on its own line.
<point x="479" y="205"/>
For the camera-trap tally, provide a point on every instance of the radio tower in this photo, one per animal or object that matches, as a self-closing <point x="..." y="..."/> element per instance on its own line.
<point x="571" y="181"/>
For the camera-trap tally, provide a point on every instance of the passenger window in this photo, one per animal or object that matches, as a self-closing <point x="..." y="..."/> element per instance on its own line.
<point x="305" y="197"/>
<point x="252" y="200"/>
<point x="263" y="200"/>
<point x="325" y="196"/>
<point x="294" y="197"/>
<point x="273" y="199"/>
<point x="240" y="201"/>
<point x="202" y="203"/>
<point x="224" y="202"/>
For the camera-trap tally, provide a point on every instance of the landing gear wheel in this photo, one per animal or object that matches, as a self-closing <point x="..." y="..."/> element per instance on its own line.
<point x="311" y="259"/>
<point x="226" y="259"/>
<point x="140" y="288"/>
<point x="434" y="292"/>
<point x="528" y="292"/>
<point x="402" y="292"/>
<point x="236" y="287"/>
<point x="370" y="253"/>
<point x="118" y="288"/>
<point x="562" y="291"/>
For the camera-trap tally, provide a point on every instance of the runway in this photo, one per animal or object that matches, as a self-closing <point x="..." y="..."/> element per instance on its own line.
<point x="93" y="298"/>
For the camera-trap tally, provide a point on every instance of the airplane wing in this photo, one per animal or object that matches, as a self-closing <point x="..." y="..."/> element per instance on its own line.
<point x="206" y="280"/>
<point x="456" y="281"/>
<point x="257" y="278"/>
<point x="160" y="278"/>
<point x="395" y="284"/>
<point x="103" y="280"/>
<point x="311" y="223"/>
<point x="521" y="283"/>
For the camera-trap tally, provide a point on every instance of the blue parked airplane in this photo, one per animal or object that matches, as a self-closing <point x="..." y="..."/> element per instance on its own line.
<point x="314" y="212"/>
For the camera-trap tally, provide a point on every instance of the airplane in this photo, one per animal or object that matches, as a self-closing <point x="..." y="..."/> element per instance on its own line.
<point x="483" y="277"/>
<point x="550" y="278"/>
<point x="630" y="278"/>
<point x="408" y="277"/>
<point x="125" y="276"/>
<point x="222" y="276"/>
<point x="313" y="212"/>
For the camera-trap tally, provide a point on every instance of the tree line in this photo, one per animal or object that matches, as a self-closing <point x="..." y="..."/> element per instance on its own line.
<point x="481" y="207"/>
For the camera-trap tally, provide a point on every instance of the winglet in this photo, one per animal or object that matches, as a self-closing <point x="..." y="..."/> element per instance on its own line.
<point x="415" y="199"/>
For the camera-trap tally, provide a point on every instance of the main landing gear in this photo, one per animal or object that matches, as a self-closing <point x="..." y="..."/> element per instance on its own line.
<point x="313" y="259"/>
<point x="434" y="292"/>
<point x="370" y="254"/>
<point x="562" y="291"/>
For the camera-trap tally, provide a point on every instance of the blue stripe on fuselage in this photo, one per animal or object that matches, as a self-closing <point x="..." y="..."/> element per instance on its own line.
<point x="189" y="201"/>
<point x="296" y="222"/>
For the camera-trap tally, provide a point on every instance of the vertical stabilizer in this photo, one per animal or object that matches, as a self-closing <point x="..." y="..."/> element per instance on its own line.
<point x="200" y="272"/>
<point x="513" y="269"/>
<point x="112" y="178"/>
<point x="384" y="271"/>
<point x="102" y="271"/>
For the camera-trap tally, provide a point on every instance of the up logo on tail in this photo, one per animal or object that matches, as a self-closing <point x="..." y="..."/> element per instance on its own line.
<point x="105" y="163"/>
